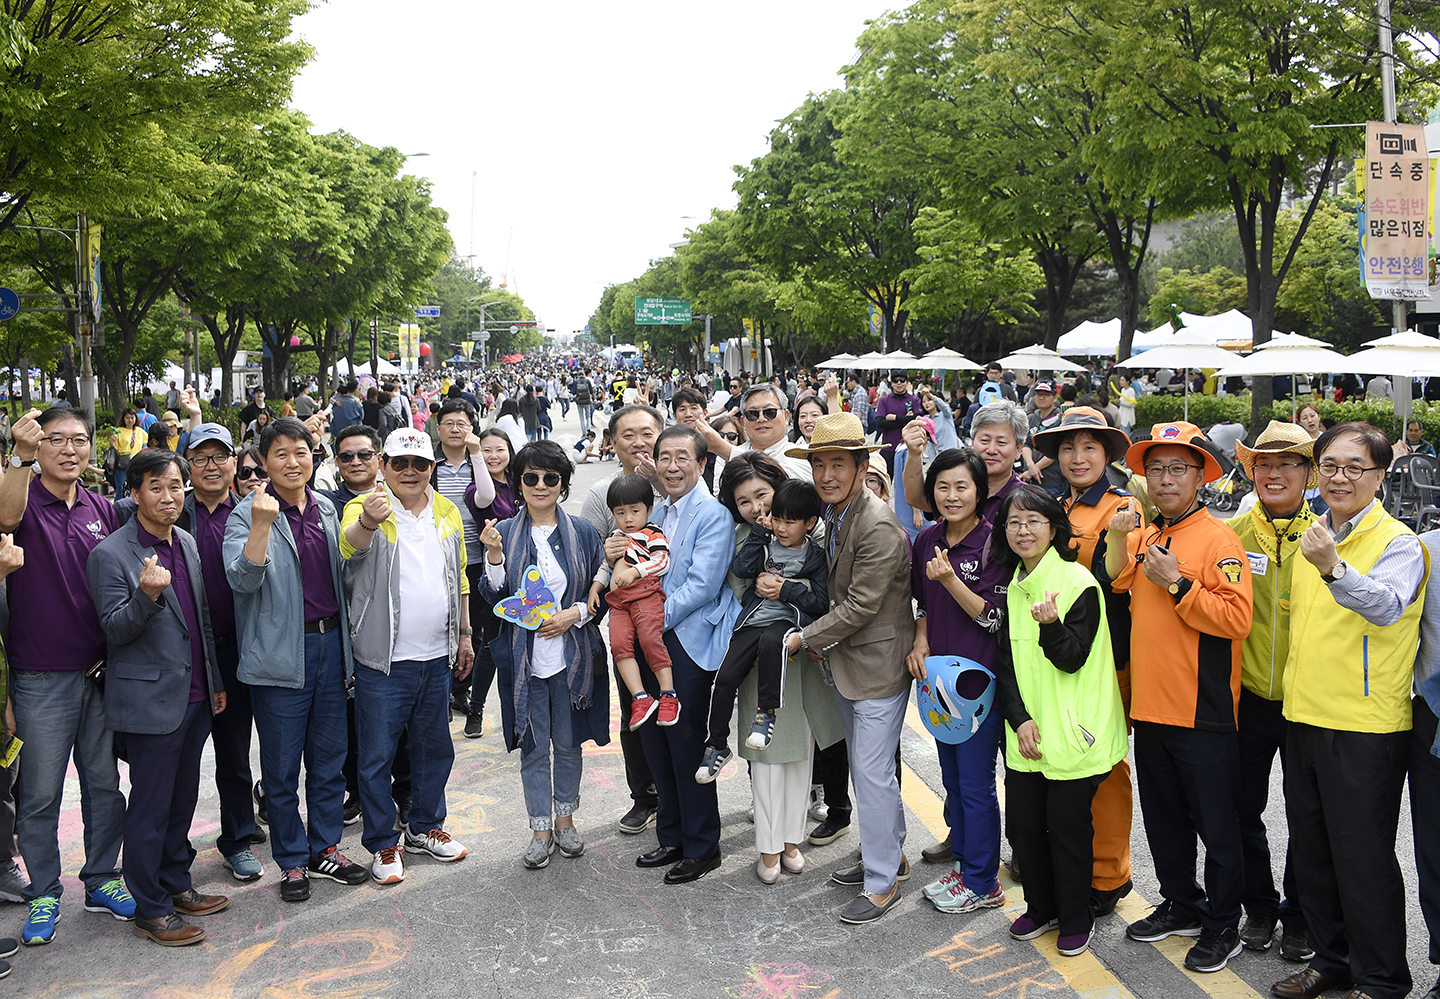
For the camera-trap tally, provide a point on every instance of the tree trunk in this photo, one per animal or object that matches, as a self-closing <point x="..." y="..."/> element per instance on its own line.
<point x="1061" y="270"/>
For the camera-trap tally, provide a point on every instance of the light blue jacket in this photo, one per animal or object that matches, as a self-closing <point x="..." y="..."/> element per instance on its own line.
<point x="699" y="607"/>
<point x="270" y="598"/>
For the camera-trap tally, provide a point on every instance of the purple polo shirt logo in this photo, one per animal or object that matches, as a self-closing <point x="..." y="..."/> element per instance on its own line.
<point x="970" y="568"/>
<point x="97" y="529"/>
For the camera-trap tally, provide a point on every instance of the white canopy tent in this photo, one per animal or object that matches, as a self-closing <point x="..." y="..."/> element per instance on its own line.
<point x="383" y="366"/>
<point x="1091" y="339"/>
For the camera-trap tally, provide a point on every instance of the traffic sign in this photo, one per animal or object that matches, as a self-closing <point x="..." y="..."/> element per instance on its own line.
<point x="661" y="311"/>
<point x="9" y="304"/>
<point x="427" y="312"/>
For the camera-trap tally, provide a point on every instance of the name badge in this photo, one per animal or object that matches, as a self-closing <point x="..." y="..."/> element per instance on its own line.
<point x="1259" y="563"/>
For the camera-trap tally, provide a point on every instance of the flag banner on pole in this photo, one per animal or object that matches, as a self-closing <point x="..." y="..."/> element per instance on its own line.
<point x="1395" y="256"/>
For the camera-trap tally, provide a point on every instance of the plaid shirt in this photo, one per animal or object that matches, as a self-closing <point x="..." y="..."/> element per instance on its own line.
<point x="860" y="404"/>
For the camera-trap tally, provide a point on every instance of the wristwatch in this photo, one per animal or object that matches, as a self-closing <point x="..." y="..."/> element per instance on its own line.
<point x="15" y="462"/>
<point x="1173" y="589"/>
<point x="1336" y="574"/>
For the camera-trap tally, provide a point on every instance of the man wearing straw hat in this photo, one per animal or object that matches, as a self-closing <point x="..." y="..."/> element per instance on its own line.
<point x="864" y="638"/>
<point x="1281" y="466"/>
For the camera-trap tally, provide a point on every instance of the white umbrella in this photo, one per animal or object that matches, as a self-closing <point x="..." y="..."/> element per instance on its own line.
<point x="949" y="360"/>
<point x="1398" y="362"/>
<point x="1281" y="360"/>
<point x="1038" y="358"/>
<point x="1184" y="350"/>
<point x="1407" y="338"/>
<point x="1292" y="340"/>
<point x="838" y="361"/>
<point x="876" y="361"/>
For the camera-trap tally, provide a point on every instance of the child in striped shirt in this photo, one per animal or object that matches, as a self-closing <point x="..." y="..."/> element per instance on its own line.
<point x="637" y="600"/>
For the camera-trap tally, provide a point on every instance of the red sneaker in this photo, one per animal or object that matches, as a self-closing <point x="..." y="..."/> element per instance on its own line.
<point x="641" y="708"/>
<point x="669" y="710"/>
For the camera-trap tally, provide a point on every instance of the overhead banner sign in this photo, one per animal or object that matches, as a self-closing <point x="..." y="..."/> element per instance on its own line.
<point x="661" y="311"/>
<point x="1396" y="246"/>
<point x="409" y="343"/>
<point x="467" y="347"/>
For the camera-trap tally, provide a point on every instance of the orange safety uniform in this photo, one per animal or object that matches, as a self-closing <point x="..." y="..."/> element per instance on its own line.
<point x="1187" y="671"/>
<point x="1113" y="808"/>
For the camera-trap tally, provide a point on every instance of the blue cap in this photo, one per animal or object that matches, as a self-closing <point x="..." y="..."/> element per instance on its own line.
<point x="211" y="432"/>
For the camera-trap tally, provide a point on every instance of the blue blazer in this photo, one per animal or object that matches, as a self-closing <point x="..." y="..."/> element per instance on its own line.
<point x="147" y="673"/>
<point x="699" y="607"/>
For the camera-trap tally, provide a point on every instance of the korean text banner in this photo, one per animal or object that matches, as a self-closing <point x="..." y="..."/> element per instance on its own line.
<point x="1395" y="262"/>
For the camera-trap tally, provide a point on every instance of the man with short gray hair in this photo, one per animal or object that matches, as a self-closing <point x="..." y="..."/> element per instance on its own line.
<point x="767" y="421"/>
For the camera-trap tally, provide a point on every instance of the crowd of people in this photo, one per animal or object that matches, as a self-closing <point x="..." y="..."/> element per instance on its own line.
<point x="805" y="552"/>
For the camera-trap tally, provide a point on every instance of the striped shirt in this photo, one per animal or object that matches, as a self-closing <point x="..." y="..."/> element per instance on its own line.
<point x="647" y="551"/>
<point x="452" y="481"/>
<point x="1393" y="582"/>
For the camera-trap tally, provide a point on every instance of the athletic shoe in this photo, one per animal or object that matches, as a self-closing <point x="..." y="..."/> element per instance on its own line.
<point x="295" y="885"/>
<point x="568" y="841"/>
<point x="1074" y="944"/>
<point x="637" y="820"/>
<point x="13" y="884"/>
<point x="537" y="854"/>
<point x="1026" y="928"/>
<point x="819" y="811"/>
<point x="1295" y="944"/>
<point x="1162" y="923"/>
<point x="669" y="709"/>
<point x="642" y="706"/>
<point x="952" y="883"/>
<point x="1214" y="949"/>
<point x="712" y="763"/>
<point x="111" y="897"/>
<point x="40" y="927"/>
<point x="437" y="843"/>
<point x="244" y="865"/>
<point x="474" y="726"/>
<point x="336" y="866"/>
<point x="762" y="730"/>
<point x="970" y="901"/>
<point x="9" y="946"/>
<point x="351" y="814"/>
<point x="261" y="813"/>
<point x="1258" y="933"/>
<point x="387" y="867"/>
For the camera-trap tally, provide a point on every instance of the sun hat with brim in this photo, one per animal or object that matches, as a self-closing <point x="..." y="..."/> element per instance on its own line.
<point x="1186" y="435"/>
<point x="1280" y="437"/>
<point x="1092" y="421"/>
<point x="836" y="432"/>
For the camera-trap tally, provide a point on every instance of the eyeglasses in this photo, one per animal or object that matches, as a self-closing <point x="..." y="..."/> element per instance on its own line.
<point x="345" y="457"/>
<point x="1328" y="469"/>
<point x="1277" y="467"/>
<point x="1026" y="526"/>
<point x="251" y="472"/>
<point x="57" y="441"/>
<point x="532" y="479"/>
<point x="210" y="460"/>
<point x="768" y="413"/>
<point x="1176" y="470"/>
<point x="730" y="435"/>
<point x="681" y="460"/>
<point x="405" y="461"/>
<point x="456" y="425"/>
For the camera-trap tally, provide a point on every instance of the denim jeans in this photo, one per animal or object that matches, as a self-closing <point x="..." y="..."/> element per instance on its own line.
<point x="587" y="417"/>
<point x="550" y="788"/>
<point x="564" y="407"/>
<point x="532" y="433"/>
<point x="57" y="711"/>
<point x="415" y="696"/>
<point x="309" y="723"/>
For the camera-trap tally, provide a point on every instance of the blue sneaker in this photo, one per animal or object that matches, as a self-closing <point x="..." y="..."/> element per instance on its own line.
<point x="762" y="730"/>
<point x="111" y="897"/>
<point x="244" y="865"/>
<point x="40" y="927"/>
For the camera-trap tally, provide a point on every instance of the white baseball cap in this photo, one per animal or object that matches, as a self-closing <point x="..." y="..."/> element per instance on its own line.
<point x="408" y="441"/>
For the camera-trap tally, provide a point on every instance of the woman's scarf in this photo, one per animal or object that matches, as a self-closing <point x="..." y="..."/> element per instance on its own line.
<point x="579" y="652"/>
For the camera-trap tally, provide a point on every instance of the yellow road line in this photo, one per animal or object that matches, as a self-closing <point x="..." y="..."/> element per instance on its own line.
<point x="1085" y="974"/>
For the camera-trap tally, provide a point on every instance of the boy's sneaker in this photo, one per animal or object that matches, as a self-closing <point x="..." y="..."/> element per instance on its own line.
<point x="1162" y="923"/>
<point x="111" y="897"/>
<point x="40" y="927"/>
<point x="642" y="706"/>
<point x="951" y="884"/>
<point x="1214" y="949"/>
<point x="762" y="729"/>
<point x="336" y="866"/>
<point x="244" y="865"/>
<point x="712" y="763"/>
<point x="295" y="885"/>
<point x="669" y="708"/>
<point x="13" y="883"/>
<point x="437" y="843"/>
<point x="970" y="901"/>
<point x="387" y="867"/>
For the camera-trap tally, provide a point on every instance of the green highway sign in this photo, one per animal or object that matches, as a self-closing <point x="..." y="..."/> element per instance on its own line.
<point x="661" y="311"/>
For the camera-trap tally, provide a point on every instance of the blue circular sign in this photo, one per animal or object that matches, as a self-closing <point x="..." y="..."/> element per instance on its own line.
<point x="9" y="304"/>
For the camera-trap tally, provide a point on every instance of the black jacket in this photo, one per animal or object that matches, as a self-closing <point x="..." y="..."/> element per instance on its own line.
<point x="807" y="601"/>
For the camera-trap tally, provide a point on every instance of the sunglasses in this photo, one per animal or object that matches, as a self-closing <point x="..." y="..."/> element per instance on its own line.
<point x="345" y="457"/>
<point x="406" y="461"/>
<point x="768" y="413"/>
<point x="730" y="436"/>
<point x="251" y="472"/>
<point x="532" y="479"/>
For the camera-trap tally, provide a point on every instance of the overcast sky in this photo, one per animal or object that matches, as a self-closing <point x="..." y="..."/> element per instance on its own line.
<point x="590" y="129"/>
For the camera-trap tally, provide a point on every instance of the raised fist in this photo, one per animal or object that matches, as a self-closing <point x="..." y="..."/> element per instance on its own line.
<point x="264" y="508"/>
<point x="374" y="509"/>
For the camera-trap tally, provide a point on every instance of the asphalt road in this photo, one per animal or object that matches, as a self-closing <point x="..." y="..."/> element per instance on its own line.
<point x="598" y="926"/>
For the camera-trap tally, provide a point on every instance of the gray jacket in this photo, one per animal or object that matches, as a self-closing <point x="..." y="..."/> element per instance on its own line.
<point x="147" y="673"/>
<point x="270" y="598"/>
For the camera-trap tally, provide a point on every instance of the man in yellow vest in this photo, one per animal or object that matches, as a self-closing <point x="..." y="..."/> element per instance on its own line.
<point x="1355" y="608"/>
<point x="1424" y="764"/>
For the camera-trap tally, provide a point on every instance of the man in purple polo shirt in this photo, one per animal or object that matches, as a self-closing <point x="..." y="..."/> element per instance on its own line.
<point x="282" y="558"/>
<point x="55" y="639"/>
<point x="162" y="689"/>
<point x="894" y="413"/>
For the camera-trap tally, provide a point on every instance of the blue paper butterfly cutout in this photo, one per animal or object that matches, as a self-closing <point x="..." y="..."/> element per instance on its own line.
<point x="532" y="605"/>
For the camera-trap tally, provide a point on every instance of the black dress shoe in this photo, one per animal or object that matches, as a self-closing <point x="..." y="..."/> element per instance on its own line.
<point x="691" y="869"/>
<point x="1102" y="903"/>
<point x="258" y="836"/>
<point x="661" y="856"/>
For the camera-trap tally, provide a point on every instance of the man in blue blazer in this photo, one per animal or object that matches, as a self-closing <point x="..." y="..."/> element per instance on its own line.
<point x="162" y="687"/>
<point x="700" y="614"/>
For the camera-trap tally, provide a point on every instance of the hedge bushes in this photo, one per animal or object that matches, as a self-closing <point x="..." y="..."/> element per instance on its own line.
<point x="1206" y="410"/>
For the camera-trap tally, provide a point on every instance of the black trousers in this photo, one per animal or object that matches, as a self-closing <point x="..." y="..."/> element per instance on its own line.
<point x="8" y="847"/>
<point x="230" y="732"/>
<point x="1342" y="795"/>
<point x="831" y="770"/>
<point x="637" y="769"/>
<point x="1050" y="824"/>
<point x="1190" y="786"/>
<point x="1425" y="819"/>
<point x="164" y="787"/>
<point x="759" y="646"/>
<point x="487" y="628"/>
<point x="1262" y="736"/>
<point x="688" y="815"/>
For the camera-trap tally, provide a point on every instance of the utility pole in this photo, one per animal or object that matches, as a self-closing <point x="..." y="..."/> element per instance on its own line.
<point x="1387" y="90"/>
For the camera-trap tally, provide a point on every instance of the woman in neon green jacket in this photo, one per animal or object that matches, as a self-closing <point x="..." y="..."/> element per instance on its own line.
<point x="1060" y="698"/>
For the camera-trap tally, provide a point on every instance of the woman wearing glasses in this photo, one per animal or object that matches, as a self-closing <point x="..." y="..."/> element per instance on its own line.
<point x="731" y="431"/>
<point x="250" y="473"/>
<point x="552" y="678"/>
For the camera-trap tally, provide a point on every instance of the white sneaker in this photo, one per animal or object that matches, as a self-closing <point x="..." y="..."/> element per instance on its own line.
<point x="388" y="867"/>
<point x="437" y="843"/>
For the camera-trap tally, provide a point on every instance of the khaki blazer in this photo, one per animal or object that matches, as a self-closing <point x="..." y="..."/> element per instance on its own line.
<point x="871" y="625"/>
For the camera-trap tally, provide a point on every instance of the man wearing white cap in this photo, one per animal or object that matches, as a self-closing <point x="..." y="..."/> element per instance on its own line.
<point x="405" y="582"/>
